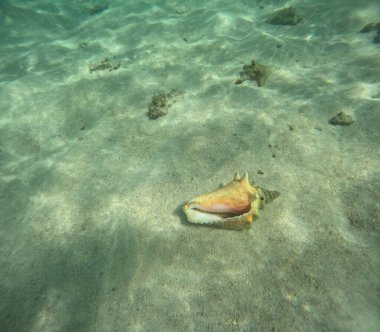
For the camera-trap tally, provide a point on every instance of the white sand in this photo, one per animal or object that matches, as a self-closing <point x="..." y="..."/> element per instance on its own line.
<point x="92" y="235"/>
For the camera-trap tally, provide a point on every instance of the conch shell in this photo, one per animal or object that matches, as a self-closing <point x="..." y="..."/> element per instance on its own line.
<point x="233" y="206"/>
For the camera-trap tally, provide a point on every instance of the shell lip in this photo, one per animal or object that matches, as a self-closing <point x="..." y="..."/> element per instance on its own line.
<point x="220" y="209"/>
<point x="221" y="214"/>
<point x="221" y="219"/>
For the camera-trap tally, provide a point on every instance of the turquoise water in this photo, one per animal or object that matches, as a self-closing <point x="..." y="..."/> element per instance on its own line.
<point x="113" y="114"/>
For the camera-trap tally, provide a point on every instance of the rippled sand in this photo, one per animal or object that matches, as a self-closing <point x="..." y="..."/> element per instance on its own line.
<point x="92" y="235"/>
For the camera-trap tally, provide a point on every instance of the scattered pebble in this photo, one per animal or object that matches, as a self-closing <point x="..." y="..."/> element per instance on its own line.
<point x="98" y="8"/>
<point x="370" y="27"/>
<point x="285" y="16"/>
<point x="341" y="119"/>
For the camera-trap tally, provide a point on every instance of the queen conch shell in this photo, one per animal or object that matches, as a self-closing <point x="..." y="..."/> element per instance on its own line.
<point x="233" y="206"/>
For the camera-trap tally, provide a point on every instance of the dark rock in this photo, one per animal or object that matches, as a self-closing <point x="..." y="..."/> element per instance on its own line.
<point x="376" y="39"/>
<point x="370" y="27"/>
<point x="341" y="119"/>
<point x="285" y="16"/>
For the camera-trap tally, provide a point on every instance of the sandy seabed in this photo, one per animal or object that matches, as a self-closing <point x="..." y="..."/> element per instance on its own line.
<point x="92" y="233"/>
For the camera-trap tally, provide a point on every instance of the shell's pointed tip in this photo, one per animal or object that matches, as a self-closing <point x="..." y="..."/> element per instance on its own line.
<point x="249" y="218"/>
<point x="237" y="176"/>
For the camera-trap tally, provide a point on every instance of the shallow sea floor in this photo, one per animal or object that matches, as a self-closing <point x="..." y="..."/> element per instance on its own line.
<point x="92" y="233"/>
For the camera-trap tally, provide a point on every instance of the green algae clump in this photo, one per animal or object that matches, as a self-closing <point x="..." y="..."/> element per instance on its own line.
<point x="160" y="104"/>
<point x="254" y="72"/>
